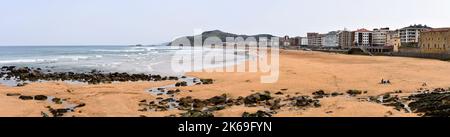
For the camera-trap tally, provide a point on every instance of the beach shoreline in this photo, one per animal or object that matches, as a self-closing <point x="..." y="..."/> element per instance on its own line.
<point x="302" y="73"/>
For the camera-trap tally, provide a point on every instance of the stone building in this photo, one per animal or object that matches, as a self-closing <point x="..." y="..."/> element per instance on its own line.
<point x="435" y="41"/>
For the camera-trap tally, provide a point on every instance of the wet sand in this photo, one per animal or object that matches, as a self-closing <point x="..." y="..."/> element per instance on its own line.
<point x="301" y="73"/>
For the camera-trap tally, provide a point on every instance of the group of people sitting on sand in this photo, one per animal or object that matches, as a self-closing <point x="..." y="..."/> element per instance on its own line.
<point x="385" y="81"/>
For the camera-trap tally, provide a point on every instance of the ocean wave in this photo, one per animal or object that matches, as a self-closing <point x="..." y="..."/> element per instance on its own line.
<point x="26" y="61"/>
<point x="127" y="50"/>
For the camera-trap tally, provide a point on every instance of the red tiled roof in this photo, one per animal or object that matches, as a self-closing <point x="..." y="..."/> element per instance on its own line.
<point x="362" y="30"/>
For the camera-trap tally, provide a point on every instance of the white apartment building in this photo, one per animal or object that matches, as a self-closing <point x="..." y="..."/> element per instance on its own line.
<point x="411" y="34"/>
<point x="379" y="37"/>
<point x="304" y="41"/>
<point x="363" y="37"/>
<point x="330" y="40"/>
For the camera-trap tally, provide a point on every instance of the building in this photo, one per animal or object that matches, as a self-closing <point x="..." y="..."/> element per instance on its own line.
<point x="379" y="37"/>
<point x="435" y="41"/>
<point x="303" y="41"/>
<point x="393" y="40"/>
<point x="409" y="36"/>
<point x="314" y="40"/>
<point x="330" y="40"/>
<point x="346" y="39"/>
<point x="363" y="38"/>
<point x="285" y="41"/>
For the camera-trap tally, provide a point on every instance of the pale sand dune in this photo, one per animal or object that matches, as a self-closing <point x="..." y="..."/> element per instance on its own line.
<point x="300" y="72"/>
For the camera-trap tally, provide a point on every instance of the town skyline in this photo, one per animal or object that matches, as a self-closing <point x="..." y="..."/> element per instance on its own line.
<point x="100" y="22"/>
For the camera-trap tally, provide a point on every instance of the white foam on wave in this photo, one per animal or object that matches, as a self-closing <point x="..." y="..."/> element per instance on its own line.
<point x="126" y="50"/>
<point x="27" y="61"/>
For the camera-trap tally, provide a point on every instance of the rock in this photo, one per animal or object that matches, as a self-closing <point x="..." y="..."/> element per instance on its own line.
<point x="320" y="94"/>
<point x="172" y="78"/>
<point x="80" y="105"/>
<point x="173" y="91"/>
<point x="207" y="81"/>
<point x="40" y="97"/>
<point x="13" y="94"/>
<point x="185" y="103"/>
<point x="334" y="94"/>
<point x="259" y="113"/>
<point x="25" y="97"/>
<point x="257" y="97"/>
<point x="274" y="104"/>
<point x="216" y="108"/>
<point x="57" y="112"/>
<point x="239" y="101"/>
<point x="21" y="84"/>
<point x="181" y="84"/>
<point x="279" y="93"/>
<point x="93" y="77"/>
<point x="218" y="100"/>
<point x="44" y="114"/>
<point x="354" y="92"/>
<point x="435" y="104"/>
<point x="196" y="113"/>
<point x="198" y="104"/>
<point x="305" y="101"/>
<point x="57" y="100"/>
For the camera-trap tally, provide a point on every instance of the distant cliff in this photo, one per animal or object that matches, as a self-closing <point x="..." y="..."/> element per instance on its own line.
<point x="223" y="35"/>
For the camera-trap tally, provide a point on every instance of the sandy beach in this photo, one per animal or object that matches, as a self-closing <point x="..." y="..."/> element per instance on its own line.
<point x="301" y="73"/>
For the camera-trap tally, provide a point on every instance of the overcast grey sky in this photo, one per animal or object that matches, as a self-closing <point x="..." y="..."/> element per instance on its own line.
<point x="104" y="22"/>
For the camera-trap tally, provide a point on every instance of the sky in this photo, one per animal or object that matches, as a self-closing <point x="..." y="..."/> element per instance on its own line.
<point x="125" y="22"/>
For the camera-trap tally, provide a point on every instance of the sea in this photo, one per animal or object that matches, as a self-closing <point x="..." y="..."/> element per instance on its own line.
<point x="131" y="59"/>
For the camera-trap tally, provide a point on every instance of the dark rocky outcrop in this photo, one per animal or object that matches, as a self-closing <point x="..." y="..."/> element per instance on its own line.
<point x="320" y="94"/>
<point x="13" y="94"/>
<point x="94" y="77"/>
<point x="259" y="113"/>
<point x="217" y="100"/>
<point x="435" y="104"/>
<point x="206" y="81"/>
<point x="22" y="97"/>
<point x="170" y="92"/>
<point x="58" y="112"/>
<point x="57" y="101"/>
<point x="305" y="101"/>
<point x="40" y="97"/>
<point x="257" y="97"/>
<point x="181" y="84"/>
<point x="354" y="92"/>
<point x="196" y="113"/>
